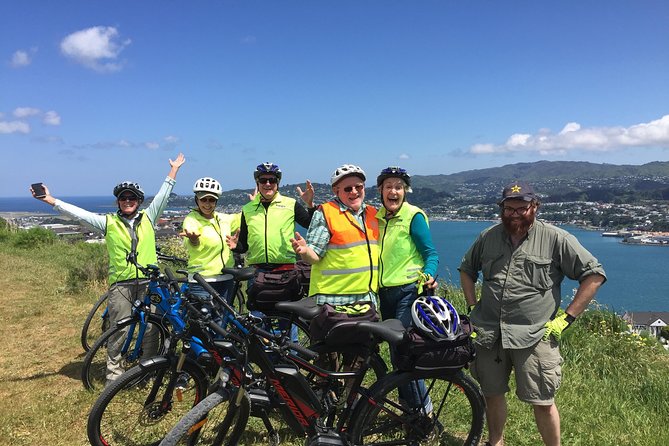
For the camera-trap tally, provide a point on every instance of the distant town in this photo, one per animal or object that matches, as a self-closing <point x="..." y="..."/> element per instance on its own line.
<point x="641" y="223"/>
<point x="626" y="201"/>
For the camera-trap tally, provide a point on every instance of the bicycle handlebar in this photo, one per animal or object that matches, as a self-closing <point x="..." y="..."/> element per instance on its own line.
<point x="252" y="327"/>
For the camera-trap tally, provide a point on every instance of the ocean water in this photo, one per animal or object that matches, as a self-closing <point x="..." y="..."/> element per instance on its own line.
<point x="99" y="205"/>
<point x="637" y="275"/>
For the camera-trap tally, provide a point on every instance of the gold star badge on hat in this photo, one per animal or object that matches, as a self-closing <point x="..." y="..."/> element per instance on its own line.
<point x="515" y="189"/>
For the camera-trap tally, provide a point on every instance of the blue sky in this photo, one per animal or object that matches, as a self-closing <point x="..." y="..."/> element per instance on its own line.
<point x="96" y="92"/>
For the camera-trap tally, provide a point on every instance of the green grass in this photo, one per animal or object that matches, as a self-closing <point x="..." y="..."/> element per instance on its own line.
<point x="615" y="387"/>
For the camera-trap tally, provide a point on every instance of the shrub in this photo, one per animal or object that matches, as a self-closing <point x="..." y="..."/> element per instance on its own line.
<point x="173" y="246"/>
<point x="88" y="264"/>
<point x="33" y="237"/>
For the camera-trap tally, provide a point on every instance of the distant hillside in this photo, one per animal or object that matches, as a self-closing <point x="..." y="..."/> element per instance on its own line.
<point x="555" y="181"/>
<point x="545" y="170"/>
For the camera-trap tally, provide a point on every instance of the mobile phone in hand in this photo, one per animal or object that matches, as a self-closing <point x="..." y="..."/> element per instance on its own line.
<point x="39" y="190"/>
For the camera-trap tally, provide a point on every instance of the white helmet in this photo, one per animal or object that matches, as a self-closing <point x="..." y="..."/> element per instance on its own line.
<point x="345" y="171"/>
<point x="435" y="317"/>
<point x="208" y="185"/>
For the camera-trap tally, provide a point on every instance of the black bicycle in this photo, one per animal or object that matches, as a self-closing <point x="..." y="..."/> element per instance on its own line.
<point x="331" y="407"/>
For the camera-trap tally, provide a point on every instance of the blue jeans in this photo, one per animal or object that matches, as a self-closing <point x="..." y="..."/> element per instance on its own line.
<point x="395" y="303"/>
<point x="224" y="288"/>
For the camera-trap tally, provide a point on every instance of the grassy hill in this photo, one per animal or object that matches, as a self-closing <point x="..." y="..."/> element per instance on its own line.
<point x="615" y="388"/>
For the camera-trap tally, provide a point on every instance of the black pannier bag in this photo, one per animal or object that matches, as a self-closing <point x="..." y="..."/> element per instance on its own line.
<point x="269" y="287"/>
<point x="304" y="270"/>
<point x="418" y="352"/>
<point x="335" y="324"/>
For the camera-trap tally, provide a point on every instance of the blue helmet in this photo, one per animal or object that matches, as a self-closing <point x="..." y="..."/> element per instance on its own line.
<point x="267" y="168"/>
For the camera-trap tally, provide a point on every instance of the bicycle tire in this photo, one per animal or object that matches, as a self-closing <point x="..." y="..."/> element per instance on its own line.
<point x="131" y="409"/>
<point x="458" y="405"/>
<point x="90" y="333"/>
<point x="209" y="423"/>
<point x="94" y="367"/>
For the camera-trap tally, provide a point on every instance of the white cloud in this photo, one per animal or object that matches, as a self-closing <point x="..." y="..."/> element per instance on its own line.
<point x="248" y="40"/>
<point x="152" y="145"/>
<point x="573" y="137"/>
<point x="404" y="156"/>
<point x="24" y="112"/>
<point x="51" y="118"/>
<point x="7" y="127"/>
<point x="97" y="48"/>
<point x="171" y="139"/>
<point x="20" y="58"/>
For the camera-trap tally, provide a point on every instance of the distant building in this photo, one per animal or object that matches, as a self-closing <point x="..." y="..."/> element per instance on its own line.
<point x="653" y="321"/>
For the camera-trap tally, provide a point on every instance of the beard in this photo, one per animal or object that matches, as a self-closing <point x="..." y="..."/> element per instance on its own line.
<point x="518" y="225"/>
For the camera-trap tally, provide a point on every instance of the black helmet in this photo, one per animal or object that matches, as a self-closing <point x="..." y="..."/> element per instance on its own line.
<point x="129" y="186"/>
<point x="393" y="172"/>
<point x="267" y="168"/>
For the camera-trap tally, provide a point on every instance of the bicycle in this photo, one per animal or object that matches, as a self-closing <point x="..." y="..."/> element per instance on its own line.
<point x="97" y="320"/>
<point x="142" y="404"/>
<point x="127" y="335"/>
<point x="368" y="416"/>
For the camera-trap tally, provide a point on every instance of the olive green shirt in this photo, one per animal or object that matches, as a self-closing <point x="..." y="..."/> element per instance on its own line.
<point x="521" y="287"/>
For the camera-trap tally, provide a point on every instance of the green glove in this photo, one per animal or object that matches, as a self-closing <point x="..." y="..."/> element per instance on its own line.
<point x="557" y="326"/>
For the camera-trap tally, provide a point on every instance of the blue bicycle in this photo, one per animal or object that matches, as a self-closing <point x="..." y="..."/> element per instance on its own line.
<point x="97" y="320"/>
<point x="143" y="334"/>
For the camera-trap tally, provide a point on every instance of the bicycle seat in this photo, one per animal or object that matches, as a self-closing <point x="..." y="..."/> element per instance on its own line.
<point x="240" y="274"/>
<point x="390" y="330"/>
<point x="306" y="308"/>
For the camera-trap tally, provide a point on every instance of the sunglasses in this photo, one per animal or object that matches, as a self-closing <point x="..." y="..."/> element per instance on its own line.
<point x="127" y="198"/>
<point x="357" y="187"/>
<point x="208" y="200"/>
<point x="270" y="180"/>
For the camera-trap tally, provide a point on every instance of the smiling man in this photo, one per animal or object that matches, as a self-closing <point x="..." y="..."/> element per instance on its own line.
<point x="342" y="243"/>
<point x="523" y="262"/>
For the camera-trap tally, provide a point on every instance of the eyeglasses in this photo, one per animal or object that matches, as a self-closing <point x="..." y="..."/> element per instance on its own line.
<point x="509" y="211"/>
<point x="127" y="198"/>
<point x="208" y="200"/>
<point x="357" y="187"/>
<point x="270" y="180"/>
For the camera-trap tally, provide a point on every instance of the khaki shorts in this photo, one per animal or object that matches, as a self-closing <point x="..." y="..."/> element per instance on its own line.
<point x="537" y="370"/>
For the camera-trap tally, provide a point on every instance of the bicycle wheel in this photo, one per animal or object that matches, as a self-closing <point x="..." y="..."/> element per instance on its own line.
<point x="218" y="420"/>
<point x="139" y="408"/>
<point x="94" y="368"/>
<point x="456" y="419"/>
<point x="96" y="323"/>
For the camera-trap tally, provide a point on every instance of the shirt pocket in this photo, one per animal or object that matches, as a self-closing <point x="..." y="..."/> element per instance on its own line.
<point x="537" y="272"/>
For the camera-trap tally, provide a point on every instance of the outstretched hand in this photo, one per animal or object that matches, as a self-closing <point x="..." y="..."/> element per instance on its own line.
<point x="307" y="195"/>
<point x="299" y="244"/>
<point x="253" y="194"/>
<point x="178" y="162"/>
<point x="193" y="236"/>
<point x="232" y="239"/>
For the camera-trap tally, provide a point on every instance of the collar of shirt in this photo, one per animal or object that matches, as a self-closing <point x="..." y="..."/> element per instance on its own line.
<point x="345" y="208"/>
